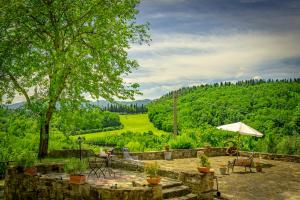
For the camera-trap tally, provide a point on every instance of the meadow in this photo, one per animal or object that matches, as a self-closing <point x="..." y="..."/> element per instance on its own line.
<point x="137" y="123"/>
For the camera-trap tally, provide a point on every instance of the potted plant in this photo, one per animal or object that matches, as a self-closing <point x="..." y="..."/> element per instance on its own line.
<point x="258" y="166"/>
<point x="223" y="169"/>
<point x="25" y="163"/>
<point x="167" y="152"/>
<point x="204" y="164"/>
<point x="75" y="168"/>
<point x="152" y="169"/>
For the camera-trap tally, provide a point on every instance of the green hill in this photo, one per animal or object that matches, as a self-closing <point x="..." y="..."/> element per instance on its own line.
<point x="138" y="123"/>
<point x="272" y="107"/>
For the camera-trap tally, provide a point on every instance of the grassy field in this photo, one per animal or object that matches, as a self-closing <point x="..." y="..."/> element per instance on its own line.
<point x="136" y="123"/>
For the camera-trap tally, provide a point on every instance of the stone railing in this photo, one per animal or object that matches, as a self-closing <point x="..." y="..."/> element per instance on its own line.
<point x="269" y="156"/>
<point x="19" y="186"/>
<point x="178" y="153"/>
<point x="199" y="183"/>
<point x="63" y="153"/>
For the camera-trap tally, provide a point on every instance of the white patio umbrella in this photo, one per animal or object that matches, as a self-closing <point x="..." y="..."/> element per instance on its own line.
<point x="241" y="128"/>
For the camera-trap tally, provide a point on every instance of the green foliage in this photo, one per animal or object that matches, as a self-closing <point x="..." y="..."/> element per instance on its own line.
<point x="26" y="159"/>
<point x="76" y="166"/>
<point x="135" y="146"/>
<point x="86" y="120"/>
<point x="203" y="159"/>
<point x="181" y="142"/>
<point x="271" y="107"/>
<point x="152" y="169"/>
<point x="19" y="135"/>
<point x="134" y="141"/>
<point x="66" y="50"/>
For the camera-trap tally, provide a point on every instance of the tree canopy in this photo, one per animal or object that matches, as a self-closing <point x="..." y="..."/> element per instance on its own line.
<point x="61" y="51"/>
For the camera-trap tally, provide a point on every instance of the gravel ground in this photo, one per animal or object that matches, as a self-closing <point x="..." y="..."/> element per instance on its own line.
<point x="279" y="180"/>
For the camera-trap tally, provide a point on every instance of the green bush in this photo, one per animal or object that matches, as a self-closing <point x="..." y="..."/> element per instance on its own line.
<point x="152" y="169"/>
<point x="76" y="166"/>
<point x="181" y="142"/>
<point x="135" y="147"/>
<point x="26" y="159"/>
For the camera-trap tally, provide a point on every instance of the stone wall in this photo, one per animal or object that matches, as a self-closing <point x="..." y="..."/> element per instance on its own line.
<point x="178" y="153"/>
<point x="213" y="151"/>
<point x="199" y="183"/>
<point x="70" y="153"/>
<point x="19" y="186"/>
<point x="269" y="156"/>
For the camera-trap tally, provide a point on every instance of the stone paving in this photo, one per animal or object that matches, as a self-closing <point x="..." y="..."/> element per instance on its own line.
<point x="123" y="179"/>
<point x="279" y="180"/>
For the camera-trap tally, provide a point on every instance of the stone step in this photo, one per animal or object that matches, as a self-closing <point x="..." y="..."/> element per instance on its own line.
<point x="177" y="191"/>
<point x="171" y="184"/>
<point x="189" y="196"/>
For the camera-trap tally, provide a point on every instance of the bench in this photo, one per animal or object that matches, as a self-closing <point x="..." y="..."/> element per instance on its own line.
<point x="242" y="162"/>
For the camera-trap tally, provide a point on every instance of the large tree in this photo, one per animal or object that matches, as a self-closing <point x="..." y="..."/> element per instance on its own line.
<point x="59" y="51"/>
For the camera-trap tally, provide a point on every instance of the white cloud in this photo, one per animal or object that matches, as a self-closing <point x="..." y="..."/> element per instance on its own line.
<point x="226" y="56"/>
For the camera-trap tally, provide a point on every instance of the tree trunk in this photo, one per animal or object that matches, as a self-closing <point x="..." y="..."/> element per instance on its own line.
<point x="44" y="139"/>
<point x="44" y="133"/>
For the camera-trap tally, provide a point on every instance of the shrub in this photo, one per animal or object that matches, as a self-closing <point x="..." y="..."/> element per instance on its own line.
<point x="181" y="142"/>
<point x="135" y="147"/>
<point x="75" y="166"/>
<point x="26" y="159"/>
<point x="152" y="169"/>
<point x="204" y="161"/>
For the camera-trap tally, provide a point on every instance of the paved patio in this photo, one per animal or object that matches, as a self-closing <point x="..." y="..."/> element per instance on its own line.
<point x="279" y="180"/>
<point x="123" y="179"/>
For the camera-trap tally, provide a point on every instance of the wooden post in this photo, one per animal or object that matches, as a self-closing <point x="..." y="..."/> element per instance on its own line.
<point x="174" y="113"/>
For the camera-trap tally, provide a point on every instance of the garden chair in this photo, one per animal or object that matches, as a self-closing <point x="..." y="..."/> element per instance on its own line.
<point x="134" y="159"/>
<point x="97" y="166"/>
<point x="241" y="161"/>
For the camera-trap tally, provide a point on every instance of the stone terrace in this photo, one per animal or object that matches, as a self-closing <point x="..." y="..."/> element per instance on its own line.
<point x="279" y="180"/>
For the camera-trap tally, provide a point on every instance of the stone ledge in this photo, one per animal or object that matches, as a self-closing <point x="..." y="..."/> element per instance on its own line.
<point x="63" y="153"/>
<point x="199" y="183"/>
<point x="269" y="156"/>
<point x="50" y="186"/>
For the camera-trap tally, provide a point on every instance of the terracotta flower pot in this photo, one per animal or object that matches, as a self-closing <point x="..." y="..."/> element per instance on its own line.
<point x="31" y="171"/>
<point x="203" y="169"/>
<point x="77" y="179"/>
<point x="153" y="180"/>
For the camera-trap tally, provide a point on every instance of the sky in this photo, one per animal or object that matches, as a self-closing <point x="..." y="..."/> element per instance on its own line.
<point x="206" y="41"/>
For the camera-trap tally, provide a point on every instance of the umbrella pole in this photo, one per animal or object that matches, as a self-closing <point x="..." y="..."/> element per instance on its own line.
<point x="238" y="146"/>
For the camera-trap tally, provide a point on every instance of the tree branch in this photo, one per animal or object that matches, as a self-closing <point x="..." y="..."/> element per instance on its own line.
<point x="20" y="89"/>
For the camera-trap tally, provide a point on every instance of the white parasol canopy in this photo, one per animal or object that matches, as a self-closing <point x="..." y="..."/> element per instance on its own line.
<point x="242" y="128"/>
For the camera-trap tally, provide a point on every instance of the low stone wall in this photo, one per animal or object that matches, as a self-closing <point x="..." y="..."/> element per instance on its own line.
<point x="199" y="183"/>
<point x="211" y="152"/>
<point x="178" y="153"/>
<point x="19" y="186"/>
<point x="269" y="156"/>
<point x="70" y="153"/>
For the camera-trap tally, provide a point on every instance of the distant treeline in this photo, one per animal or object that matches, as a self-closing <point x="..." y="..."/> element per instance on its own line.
<point x="126" y="109"/>
<point x="238" y="83"/>
<point x="86" y="120"/>
<point x="272" y="107"/>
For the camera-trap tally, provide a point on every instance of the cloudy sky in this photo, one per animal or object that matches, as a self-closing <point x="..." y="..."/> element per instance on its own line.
<point x="206" y="41"/>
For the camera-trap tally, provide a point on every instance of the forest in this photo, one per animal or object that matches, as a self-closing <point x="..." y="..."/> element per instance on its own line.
<point x="19" y="128"/>
<point x="272" y="107"/>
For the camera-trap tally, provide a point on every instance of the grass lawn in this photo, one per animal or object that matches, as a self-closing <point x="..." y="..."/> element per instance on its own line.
<point x="136" y="123"/>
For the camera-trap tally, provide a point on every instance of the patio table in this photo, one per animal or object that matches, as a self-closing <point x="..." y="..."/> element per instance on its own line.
<point x="107" y="166"/>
